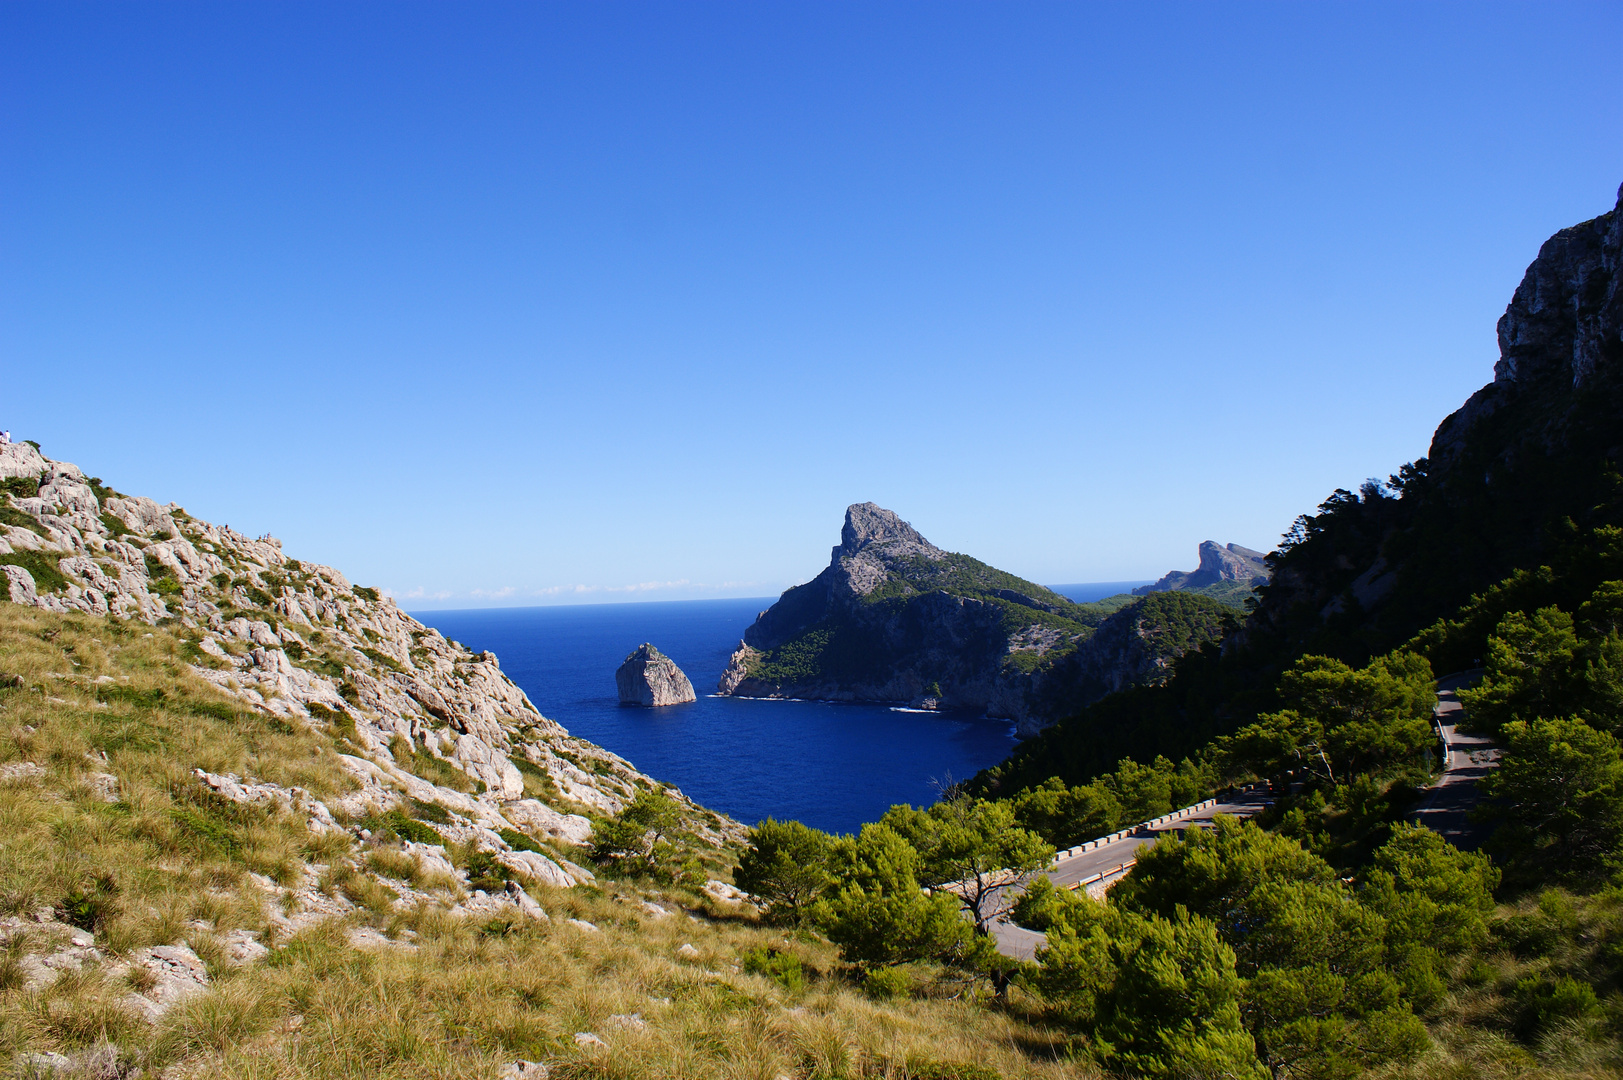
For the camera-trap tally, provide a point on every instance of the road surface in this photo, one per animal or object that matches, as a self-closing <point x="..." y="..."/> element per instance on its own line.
<point x="1446" y="808"/>
<point x="1113" y="857"/>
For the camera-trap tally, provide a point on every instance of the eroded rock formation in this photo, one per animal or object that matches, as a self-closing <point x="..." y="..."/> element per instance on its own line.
<point x="649" y="677"/>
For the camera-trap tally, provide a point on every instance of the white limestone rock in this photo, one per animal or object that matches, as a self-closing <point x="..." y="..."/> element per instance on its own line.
<point x="535" y="865"/>
<point x="537" y="817"/>
<point x="20" y="585"/>
<point x="649" y="677"/>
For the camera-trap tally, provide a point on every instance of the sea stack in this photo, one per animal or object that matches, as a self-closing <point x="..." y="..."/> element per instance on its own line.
<point x="649" y="677"/>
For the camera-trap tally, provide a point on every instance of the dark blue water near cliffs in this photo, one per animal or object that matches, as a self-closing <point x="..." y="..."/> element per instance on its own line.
<point x="831" y="766"/>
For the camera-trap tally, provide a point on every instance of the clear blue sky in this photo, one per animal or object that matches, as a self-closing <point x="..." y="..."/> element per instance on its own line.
<point x="526" y="303"/>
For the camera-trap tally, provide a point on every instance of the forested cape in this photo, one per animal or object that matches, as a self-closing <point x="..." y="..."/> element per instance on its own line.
<point x="1523" y="480"/>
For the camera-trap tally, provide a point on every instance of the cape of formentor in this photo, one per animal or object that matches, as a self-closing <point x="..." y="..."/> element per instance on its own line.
<point x="895" y="618"/>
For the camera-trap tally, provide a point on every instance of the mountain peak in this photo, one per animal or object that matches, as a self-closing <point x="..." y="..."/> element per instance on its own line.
<point x="867" y="524"/>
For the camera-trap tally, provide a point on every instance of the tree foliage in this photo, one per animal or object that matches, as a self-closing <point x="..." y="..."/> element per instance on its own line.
<point x="880" y="915"/>
<point x="1561" y="786"/>
<point x="972" y="849"/>
<point x="786" y="866"/>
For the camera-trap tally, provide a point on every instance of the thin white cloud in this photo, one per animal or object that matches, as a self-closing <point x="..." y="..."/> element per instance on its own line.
<point x="493" y="594"/>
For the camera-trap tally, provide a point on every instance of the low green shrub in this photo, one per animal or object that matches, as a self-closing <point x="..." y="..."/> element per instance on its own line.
<point x="782" y="968"/>
<point x="10" y="515"/>
<point x="213" y="834"/>
<point x="887" y="984"/>
<point x="41" y="566"/>
<point x="427" y="811"/>
<point x="926" y="1069"/>
<point x="520" y="842"/>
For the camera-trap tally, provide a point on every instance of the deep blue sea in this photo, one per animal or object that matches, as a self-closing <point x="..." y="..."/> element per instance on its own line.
<point x="831" y="766"/>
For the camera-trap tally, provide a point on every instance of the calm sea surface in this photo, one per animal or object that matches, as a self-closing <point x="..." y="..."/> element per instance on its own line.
<point x="831" y="766"/>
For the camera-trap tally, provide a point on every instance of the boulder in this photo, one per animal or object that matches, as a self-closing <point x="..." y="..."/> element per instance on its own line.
<point x="649" y="677"/>
<point x="19" y="585"/>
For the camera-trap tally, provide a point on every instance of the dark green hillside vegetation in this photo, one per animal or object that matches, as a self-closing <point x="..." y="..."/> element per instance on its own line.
<point x="1330" y="937"/>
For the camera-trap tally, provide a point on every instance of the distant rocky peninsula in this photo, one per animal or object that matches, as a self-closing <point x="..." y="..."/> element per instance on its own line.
<point x="1228" y="573"/>
<point x="649" y="677"/>
<point x="893" y="618"/>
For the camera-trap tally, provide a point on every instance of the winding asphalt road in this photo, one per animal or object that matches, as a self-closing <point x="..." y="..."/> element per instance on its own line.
<point x="1112" y="857"/>
<point x="1445" y="809"/>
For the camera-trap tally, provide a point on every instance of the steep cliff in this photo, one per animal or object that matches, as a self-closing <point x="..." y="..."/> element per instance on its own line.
<point x="420" y="715"/>
<point x="1527" y="474"/>
<point x="894" y="618"/>
<point x="1530" y="462"/>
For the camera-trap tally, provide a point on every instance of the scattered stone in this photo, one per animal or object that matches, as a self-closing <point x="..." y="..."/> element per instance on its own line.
<point x="725" y="892"/>
<point x="43" y="1062"/>
<point x="687" y="952"/>
<point x="655" y="910"/>
<point x="20" y="770"/>
<point x="628" y="1021"/>
<point x="537" y="816"/>
<point x="582" y="924"/>
<point x="588" y="1039"/>
<point x="103" y="786"/>
<point x="579" y="873"/>
<point x="19" y="585"/>
<point x="524" y="1070"/>
<point x="524" y="901"/>
<point x="243" y="946"/>
<point x="176" y="972"/>
<point x="649" y="677"/>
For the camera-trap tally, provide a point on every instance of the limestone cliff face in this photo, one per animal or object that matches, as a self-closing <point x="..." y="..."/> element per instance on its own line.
<point x="649" y="677"/>
<point x="893" y="618"/>
<point x="297" y="639"/>
<point x="1530" y="455"/>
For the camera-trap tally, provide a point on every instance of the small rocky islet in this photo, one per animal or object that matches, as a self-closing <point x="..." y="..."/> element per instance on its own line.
<point x="650" y="678"/>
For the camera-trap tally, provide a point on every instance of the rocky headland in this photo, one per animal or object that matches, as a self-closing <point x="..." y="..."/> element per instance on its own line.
<point x="649" y="677"/>
<point x="1228" y="573"/>
<point x="893" y="618"/>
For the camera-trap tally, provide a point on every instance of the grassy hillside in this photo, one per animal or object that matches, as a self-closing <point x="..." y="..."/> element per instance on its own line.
<point x="379" y="963"/>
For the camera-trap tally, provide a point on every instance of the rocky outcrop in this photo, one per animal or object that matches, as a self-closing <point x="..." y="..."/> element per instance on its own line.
<point x="1219" y="565"/>
<point x="297" y="640"/>
<point x="649" y="677"/>
<point x="896" y="619"/>
<point x="1528" y="458"/>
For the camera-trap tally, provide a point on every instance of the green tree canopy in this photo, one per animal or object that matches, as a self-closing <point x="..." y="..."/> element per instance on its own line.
<point x="1065" y="816"/>
<point x="1317" y="999"/>
<point x="1339" y="722"/>
<point x="1160" y="995"/>
<point x="786" y="866"/>
<point x="641" y="832"/>
<point x="1561" y="783"/>
<point x="973" y="850"/>
<point x="881" y="916"/>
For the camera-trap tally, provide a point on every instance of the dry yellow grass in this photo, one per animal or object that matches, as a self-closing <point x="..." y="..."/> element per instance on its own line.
<point x="445" y="996"/>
